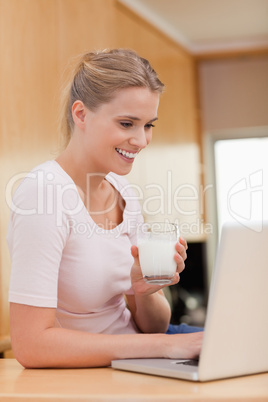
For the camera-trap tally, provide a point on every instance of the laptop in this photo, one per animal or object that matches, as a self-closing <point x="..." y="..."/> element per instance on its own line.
<point x="236" y="327"/>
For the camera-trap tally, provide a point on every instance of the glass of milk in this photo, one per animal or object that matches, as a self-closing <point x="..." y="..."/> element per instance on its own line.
<point x="156" y="244"/>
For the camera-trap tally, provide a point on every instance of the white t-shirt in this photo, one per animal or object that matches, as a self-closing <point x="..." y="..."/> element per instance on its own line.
<point x="62" y="259"/>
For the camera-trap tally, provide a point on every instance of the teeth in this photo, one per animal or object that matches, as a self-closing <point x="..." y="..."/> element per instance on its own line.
<point x="129" y="155"/>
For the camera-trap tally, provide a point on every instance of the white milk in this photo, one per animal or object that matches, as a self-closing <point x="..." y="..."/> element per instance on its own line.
<point x="157" y="257"/>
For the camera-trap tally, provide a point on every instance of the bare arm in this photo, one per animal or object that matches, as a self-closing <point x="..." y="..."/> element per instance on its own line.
<point x="151" y="313"/>
<point x="36" y="342"/>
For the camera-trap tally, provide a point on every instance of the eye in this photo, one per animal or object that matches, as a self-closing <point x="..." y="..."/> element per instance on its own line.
<point x="126" y="124"/>
<point x="149" y="125"/>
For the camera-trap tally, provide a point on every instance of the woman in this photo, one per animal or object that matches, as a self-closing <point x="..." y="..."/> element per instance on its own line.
<point x="73" y="225"/>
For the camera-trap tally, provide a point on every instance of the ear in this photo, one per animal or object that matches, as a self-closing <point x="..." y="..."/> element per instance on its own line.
<point x="79" y="113"/>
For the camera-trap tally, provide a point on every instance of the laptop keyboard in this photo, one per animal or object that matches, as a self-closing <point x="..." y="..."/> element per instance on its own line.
<point x="189" y="363"/>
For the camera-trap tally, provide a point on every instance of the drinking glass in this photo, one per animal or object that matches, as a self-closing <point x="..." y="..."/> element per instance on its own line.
<point x="156" y="244"/>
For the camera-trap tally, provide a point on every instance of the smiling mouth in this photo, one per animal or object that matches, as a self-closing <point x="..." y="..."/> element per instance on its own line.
<point x="128" y="155"/>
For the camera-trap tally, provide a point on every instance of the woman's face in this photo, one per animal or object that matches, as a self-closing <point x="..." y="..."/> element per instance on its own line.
<point x="117" y="131"/>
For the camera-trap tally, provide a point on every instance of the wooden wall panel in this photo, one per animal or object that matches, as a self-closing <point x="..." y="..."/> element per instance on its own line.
<point x="37" y="39"/>
<point x="28" y="73"/>
<point x="28" y="77"/>
<point x="84" y="25"/>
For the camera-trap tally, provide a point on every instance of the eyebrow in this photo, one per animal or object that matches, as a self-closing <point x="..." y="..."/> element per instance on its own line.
<point x="137" y="118"/>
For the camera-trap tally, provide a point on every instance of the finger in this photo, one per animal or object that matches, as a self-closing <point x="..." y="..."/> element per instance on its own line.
<point x="183" y="242"/>
<point x="181" y="250"/>
<point x="180" y="263"/>
<point x="175" y="280"/>
<point x="135" y="254"/>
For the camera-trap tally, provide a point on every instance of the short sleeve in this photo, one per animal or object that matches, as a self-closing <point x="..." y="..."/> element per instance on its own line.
<point x="36" y="241"/>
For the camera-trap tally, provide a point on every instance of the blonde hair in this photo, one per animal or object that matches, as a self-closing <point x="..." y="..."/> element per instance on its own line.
<point x="97" y="77"/>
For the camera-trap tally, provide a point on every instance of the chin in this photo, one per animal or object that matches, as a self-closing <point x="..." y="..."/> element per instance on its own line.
<point x="122" y="172"/>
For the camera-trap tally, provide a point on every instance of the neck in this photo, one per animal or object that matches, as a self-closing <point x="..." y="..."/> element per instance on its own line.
<point x="86" y="176"/>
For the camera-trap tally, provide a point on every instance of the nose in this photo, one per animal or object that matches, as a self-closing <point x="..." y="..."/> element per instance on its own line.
<point x="141" y="139"/>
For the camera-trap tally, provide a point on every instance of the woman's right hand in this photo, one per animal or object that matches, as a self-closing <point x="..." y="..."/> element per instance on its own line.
<point x="183" y="346"/>
<point x="138" y="283"/>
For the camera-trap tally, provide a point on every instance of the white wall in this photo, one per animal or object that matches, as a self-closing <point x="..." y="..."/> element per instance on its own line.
<point x="167" y="181"/>
<point x="234" y="103"/>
